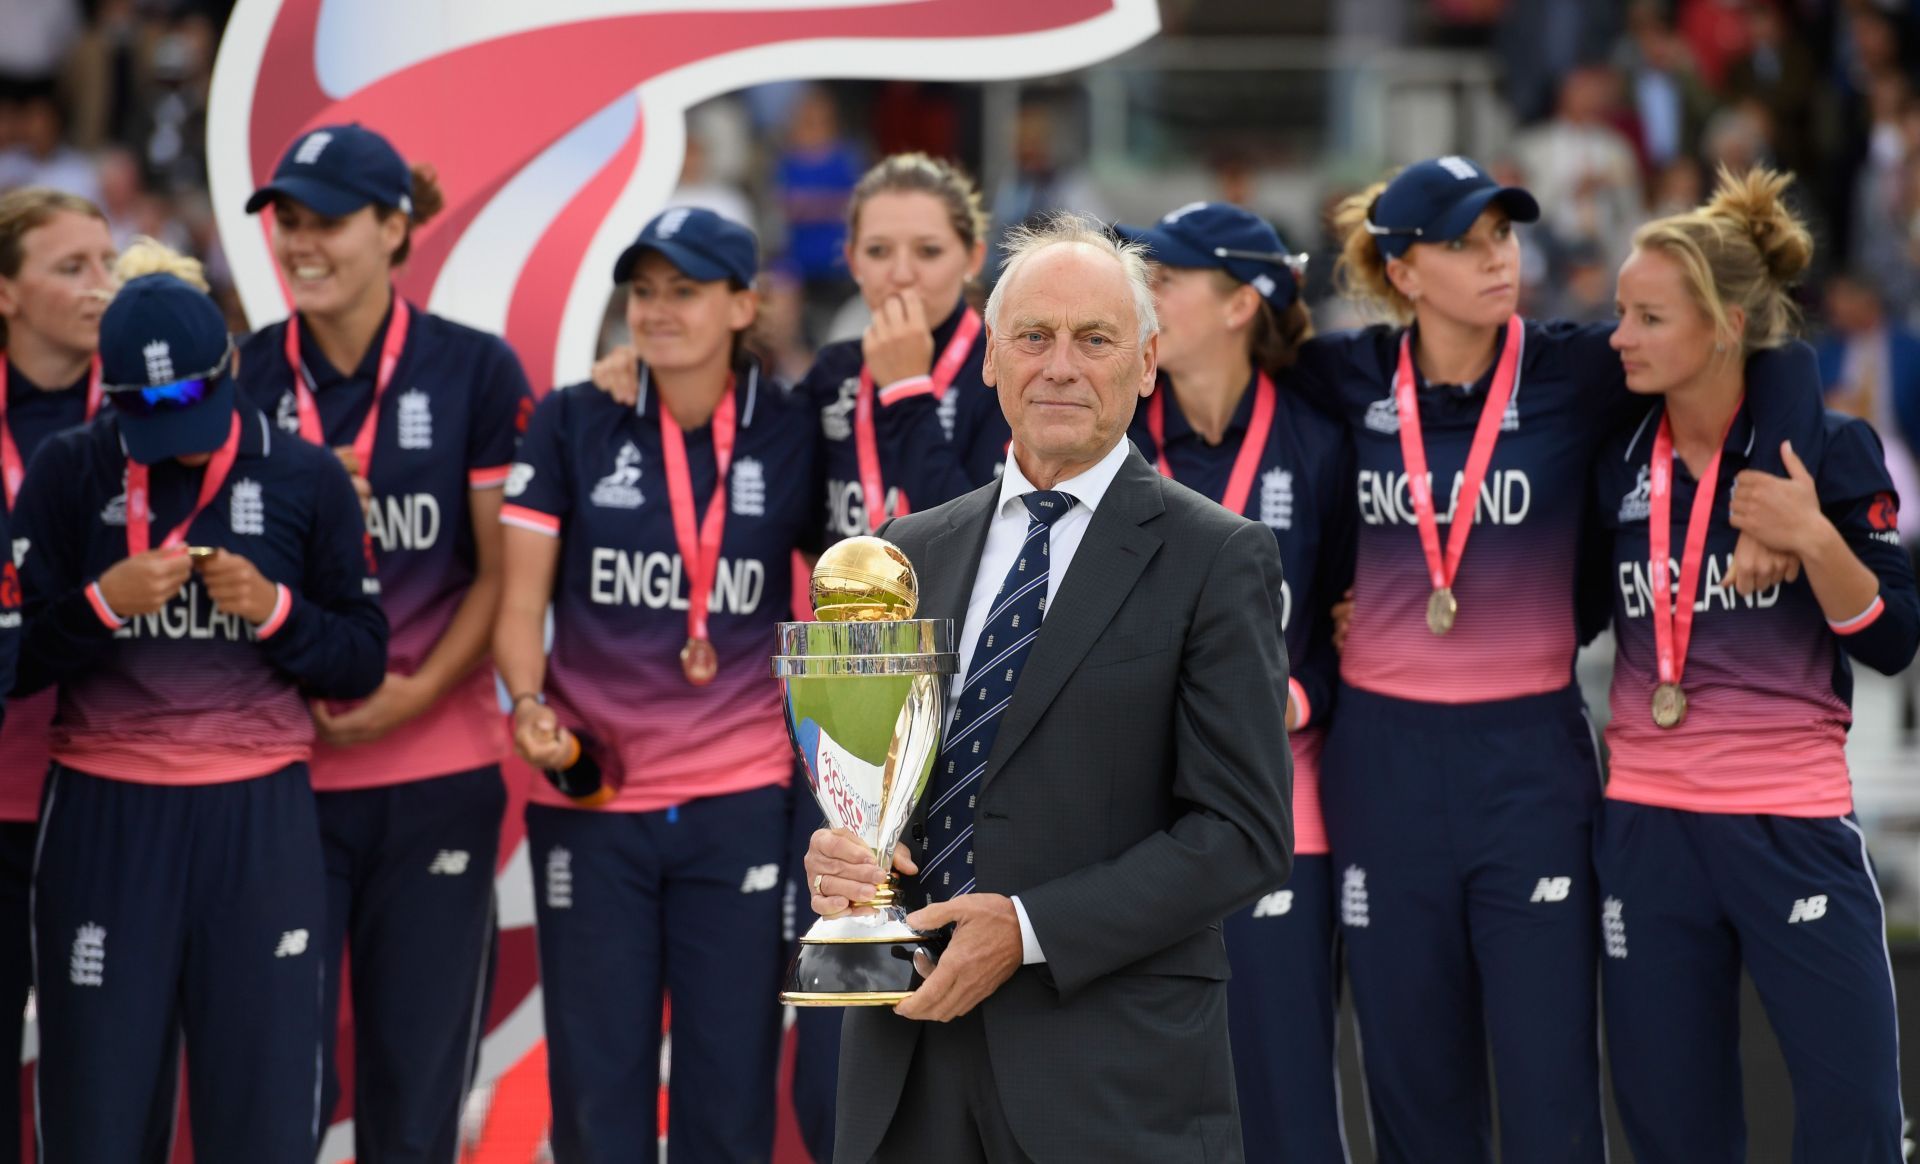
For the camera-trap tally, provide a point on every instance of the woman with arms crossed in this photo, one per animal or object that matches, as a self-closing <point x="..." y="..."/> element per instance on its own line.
<point x="1728" y="839"/>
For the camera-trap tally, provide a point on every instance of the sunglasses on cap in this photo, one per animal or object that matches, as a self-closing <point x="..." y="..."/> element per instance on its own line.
<point x="147" y="399"/>
<point x="1295" y="262"/>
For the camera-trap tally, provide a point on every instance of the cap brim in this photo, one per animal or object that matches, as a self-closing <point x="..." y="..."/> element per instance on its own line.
<point x="163" y="436"/>
<point x="1460" y="217"/>
<point x="322" y="198"/>
<point x="1165" y="249"/>
<point x="688" y="262"/>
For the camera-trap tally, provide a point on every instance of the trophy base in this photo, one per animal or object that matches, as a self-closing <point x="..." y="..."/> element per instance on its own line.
<point x="856" y="961"/>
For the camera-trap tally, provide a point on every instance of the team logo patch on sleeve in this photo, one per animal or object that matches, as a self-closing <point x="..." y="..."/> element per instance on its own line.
<point x="1884" y="512"/>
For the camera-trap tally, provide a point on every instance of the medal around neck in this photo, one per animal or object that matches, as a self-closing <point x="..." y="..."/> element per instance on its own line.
<point x="865" y="693"/>
<point x="1669" y="705"/>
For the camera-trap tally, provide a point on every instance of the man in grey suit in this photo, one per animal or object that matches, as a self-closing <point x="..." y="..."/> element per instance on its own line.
<point x="1114" y="781"/>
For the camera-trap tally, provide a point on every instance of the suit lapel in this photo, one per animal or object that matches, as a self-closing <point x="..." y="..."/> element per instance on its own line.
<point x="1109" y="561"/>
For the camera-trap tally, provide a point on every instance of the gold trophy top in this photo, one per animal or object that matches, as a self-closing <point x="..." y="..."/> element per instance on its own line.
<point x="864" y="579"/>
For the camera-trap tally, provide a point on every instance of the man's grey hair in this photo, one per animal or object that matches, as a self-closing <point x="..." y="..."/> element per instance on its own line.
<point x="1065" y="228"/>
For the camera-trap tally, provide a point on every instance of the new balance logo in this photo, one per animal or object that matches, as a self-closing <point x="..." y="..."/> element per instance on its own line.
<point x="248" y="511"/>
<point x="1277" y="904"/>
<point x="1353" y="898"/>
<point x="159" y="362"/>
<point x="559" y="878"/>
<point x="1459" y="167"/>
<point x="449" y="862"/>
<point x="1808" y="909"/>
<point x="1173" y="216"/>
<point x="761" y="878"/>
<point x="518" y="478"/>
<point x="311" y="149"/>
<point x="293" y="943"/>
<point x="1613" y="927"/>
<point x="1552" y="889"/>
<point x="88" y="966"/>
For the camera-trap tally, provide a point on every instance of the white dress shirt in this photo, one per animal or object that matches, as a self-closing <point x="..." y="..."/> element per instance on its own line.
<point x="1005" y="536"/>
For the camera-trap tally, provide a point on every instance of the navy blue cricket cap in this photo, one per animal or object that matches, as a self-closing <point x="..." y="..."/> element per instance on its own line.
<point x="704" y="246"/>
<point x="1222" y="236"/>
<point x="337" y="169"/>
<point x="165" y="360"/>
<point x="1438" y="200"/>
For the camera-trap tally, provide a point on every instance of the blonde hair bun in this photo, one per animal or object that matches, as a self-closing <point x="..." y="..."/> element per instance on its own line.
<point x="1755" y="202"/>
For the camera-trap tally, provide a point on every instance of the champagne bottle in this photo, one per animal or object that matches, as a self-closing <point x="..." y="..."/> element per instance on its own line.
<point x="579" y="778"/>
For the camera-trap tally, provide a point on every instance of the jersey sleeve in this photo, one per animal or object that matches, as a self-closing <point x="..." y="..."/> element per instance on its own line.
<point x="1785" y="403"/>
<point x="502" y="406"/>
<point x="10" y="618"/>
<point x="331" y="635"/>
<point x="1317" y="670"/>
<point x="983" y="436"/>
<point x="1858" y="497"/>
<point x="539" y="491"/>
<point x="68" y="628"/>
<point x="1318" y="369"/>
<point x="921" y="461"/>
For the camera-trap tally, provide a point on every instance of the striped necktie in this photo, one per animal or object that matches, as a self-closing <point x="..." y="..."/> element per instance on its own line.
<point x="946" y="867"/>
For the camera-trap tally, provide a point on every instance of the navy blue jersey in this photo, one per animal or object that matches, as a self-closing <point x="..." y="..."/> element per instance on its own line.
<point x="932" y="450"/>
<point x="1517" y="631"/>
<point x="188" y="694"/>
<point x="33" y="415"/>
<point x="591" y="474"/>
<point x="1766" y="675"/>
<point x="449" y="422"/>
<point x="1302" y="491"/>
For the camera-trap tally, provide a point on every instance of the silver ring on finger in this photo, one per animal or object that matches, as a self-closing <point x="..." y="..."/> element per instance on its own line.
<point x="816" y="883"/>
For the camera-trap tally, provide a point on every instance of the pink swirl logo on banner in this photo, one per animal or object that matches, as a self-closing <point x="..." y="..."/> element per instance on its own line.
<point x="557" y="129"/>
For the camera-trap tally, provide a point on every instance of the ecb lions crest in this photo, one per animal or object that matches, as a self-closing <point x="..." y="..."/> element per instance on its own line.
<point x="557" y="129"/>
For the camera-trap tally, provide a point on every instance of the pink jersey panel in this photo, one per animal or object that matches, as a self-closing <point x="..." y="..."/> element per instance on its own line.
<point x="1309" y="828"/>
<point x="464" y="730"/>
<point x="24" y="755"/>
<point x="1514" y="635"/>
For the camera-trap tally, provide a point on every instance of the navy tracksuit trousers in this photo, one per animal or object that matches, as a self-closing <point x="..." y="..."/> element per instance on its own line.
<point x="1462" y="866"/>
<point x="635" y="907"/>
<point x="410" y="903"/>
<point x="1690" y="897"/>
<point x="163" y="913"/>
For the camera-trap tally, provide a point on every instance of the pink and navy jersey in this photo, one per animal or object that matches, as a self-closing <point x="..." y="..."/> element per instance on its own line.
<point x="190" y="694"/>
<point x="932" y="448"/>
<point x="590" y="473"/>
<point x="449" y="422"/>
<point x="1767" y="679"/>
<point x="1302" y="491"/>
<point x="1517" y="628"/>
<point x="33" y="415"/>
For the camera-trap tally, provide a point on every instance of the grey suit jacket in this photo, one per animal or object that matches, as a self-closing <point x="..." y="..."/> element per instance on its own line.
<point x="1139" y="790"/>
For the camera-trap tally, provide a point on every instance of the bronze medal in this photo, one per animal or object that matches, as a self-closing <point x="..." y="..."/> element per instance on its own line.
<point x="700" y="661"/>
<point x="1669" y="705"/>
<point x="1441" y="609"/>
